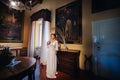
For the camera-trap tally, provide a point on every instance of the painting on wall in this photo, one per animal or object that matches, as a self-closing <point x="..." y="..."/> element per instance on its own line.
<point x="69" y="23"/>
<point x="11" y="24"/>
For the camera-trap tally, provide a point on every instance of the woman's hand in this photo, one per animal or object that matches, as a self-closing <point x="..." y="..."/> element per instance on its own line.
<point x="48" y="42"/>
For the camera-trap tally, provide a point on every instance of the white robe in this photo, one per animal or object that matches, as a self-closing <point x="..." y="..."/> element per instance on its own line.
<point x="52" y="60"/>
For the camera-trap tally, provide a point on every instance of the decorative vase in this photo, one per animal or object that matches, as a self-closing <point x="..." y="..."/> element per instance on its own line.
<point x="65" y="47"/>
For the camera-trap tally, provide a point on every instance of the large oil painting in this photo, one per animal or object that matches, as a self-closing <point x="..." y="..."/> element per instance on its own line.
<point x="69" y="23"/>
<point x="11" y="24"/>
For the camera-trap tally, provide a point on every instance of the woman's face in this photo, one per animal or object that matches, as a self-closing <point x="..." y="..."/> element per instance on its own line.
<point x="52" y="37"/>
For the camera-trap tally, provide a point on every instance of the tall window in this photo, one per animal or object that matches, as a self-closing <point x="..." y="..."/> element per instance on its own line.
<point x="36" y="38"/>
<point x="38" y="33"/>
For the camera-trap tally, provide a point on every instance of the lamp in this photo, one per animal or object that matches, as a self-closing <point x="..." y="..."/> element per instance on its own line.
<point x="18" y="4"/>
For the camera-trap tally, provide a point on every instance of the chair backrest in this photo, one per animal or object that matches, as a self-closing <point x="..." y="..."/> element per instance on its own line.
<point x="23" y="51"/>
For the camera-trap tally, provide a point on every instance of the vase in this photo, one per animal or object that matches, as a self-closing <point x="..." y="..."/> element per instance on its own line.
<point x="65" y="47"/>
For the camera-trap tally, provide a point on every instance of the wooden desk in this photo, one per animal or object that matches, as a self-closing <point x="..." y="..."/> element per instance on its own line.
<point x="68" y="62"/>
<point x="25" y="68"/>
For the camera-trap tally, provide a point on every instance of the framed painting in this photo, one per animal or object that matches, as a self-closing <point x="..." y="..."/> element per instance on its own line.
<point x="69" y="23"/>
<point x="11" y="24"/>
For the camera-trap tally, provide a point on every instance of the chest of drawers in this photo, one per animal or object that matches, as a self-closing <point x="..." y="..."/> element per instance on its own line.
<point x="68" y="61"/>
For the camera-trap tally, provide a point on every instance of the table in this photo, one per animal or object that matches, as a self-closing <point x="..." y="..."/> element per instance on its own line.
<point x="25" y="68"/>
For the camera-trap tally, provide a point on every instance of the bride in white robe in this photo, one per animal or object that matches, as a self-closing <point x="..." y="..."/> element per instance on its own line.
<point x="51" y="69"/>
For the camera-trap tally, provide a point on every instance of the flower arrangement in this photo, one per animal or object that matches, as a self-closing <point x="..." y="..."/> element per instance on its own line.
<point x="5" y="56"/>
<point x="62" y="35"/>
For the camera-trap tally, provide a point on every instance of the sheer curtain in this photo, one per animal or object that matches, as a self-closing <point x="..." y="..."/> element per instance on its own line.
<point x="40" y="35"/>
<point x="35" y="38"/>
<point x="31" y="41"/>
<point x="45" y="38"/>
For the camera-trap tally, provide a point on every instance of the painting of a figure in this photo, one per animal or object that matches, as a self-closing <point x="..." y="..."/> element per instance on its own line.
<point x="69" y="21"/>
<point x="11" y="24"/>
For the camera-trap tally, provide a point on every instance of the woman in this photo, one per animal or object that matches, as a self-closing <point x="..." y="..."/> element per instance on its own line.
<point x="51" y="57"/>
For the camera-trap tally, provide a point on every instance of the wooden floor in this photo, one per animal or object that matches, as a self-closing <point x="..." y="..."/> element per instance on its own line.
<point x="60" y="75"/>
<point x="40" y="74"/>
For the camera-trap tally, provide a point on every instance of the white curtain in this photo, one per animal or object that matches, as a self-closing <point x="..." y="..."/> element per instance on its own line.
<point x="45" y="38"/>
<point x="35" y="38"/>
<point x="39" y="38"/>
<point x="31" y="41"/>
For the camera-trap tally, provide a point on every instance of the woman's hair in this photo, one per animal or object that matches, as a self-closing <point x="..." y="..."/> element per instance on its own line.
<point x="54" y="35"/>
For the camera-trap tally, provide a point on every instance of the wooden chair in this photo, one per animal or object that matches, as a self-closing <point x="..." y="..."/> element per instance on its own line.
<point x="23" y="51"/>
<point x="88" y="64"/>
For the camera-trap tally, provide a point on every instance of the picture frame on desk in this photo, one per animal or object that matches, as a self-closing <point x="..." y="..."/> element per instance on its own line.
<point x="11" y="24"/>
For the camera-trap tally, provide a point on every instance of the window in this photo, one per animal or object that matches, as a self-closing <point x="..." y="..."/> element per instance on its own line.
<point x="38" y="33"/>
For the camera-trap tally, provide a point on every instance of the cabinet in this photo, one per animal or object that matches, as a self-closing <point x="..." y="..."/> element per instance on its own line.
<point x="68" y="62"/>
